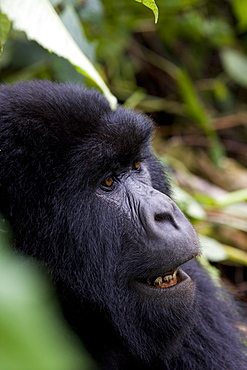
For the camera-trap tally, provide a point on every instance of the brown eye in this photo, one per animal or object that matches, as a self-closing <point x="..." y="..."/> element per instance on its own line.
<point x="108" y="182"/>
<point x="136" y="165"/>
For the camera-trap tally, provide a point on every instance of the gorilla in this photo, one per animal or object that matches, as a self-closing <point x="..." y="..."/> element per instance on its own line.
<point x="87" y="198"/>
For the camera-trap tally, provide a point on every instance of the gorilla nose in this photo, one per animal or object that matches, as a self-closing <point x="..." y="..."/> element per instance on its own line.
<point x="159" y="212"/>
<point x="163" y="217"/>
<point x="166" y="227"/>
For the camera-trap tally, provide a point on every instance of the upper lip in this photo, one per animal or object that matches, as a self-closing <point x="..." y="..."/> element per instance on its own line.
<point x="162" y="273"/>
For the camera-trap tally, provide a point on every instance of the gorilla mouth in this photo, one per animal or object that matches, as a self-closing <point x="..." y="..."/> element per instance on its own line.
<point x="168" y="280"/>
<point x="165" y="281"/>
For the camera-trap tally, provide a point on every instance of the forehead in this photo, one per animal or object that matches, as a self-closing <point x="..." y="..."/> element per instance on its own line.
<point x="60" y="119"/>
<point x="119" y="139"/>
<point x="121" y="136"/>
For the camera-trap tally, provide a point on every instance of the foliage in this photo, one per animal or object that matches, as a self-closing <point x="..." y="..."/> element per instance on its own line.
<point x="40" y="22"/>
<point x="188" y="72"/>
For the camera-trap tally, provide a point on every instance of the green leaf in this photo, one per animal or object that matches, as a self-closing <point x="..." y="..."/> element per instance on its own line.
<point x="40" y="22"/>
<point x="193" y="105"/>
<point x="4" y="30"/>
<point x="239" y="8"/>
<point x="198" y="114"/>
<point x="235" y="64"/>
<point x="151" y="5"/>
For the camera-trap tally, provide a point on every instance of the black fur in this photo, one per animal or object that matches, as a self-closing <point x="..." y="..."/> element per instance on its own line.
<point x="100" y="243"/>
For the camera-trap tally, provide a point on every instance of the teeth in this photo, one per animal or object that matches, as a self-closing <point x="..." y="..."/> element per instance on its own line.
<point x="168" y="277"/>
<point x="164" y="279"/>
<point x="158" y="281"/>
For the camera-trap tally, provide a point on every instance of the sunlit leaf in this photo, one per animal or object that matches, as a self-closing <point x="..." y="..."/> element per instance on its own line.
<point x="151" y="5"/>
<point x="40" y="22"/>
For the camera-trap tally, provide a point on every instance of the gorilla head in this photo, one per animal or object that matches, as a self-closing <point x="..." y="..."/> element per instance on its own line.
<point x="86" y="197"/>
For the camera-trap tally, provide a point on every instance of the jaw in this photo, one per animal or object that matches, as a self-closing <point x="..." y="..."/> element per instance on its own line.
<point x="153" y="320"/>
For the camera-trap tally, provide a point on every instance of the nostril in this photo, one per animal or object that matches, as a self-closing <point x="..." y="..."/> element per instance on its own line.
<point x="160" y="217"/>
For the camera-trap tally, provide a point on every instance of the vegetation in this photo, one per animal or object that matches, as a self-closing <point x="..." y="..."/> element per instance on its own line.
<point x="188" y="71"/>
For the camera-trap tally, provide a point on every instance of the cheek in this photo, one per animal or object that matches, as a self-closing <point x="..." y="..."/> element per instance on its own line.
<point x="116" y="208"/>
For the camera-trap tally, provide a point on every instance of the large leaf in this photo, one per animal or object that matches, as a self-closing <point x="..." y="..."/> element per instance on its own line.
<point x="40" y="22"/>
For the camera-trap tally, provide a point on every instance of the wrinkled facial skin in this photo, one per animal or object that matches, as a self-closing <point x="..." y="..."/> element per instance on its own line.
<point x="163" y="233"/>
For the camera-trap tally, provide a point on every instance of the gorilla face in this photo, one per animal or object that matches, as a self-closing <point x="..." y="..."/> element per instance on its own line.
<point x="150" y="292"/>
<point x="86" y="196"/>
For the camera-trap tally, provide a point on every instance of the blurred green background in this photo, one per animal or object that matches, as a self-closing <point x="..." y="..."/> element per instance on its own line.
<point x="189" y="73"/>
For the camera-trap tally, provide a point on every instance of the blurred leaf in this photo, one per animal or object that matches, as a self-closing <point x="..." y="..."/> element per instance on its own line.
<point x="92" y="10"/>
<point x="197" y="27"/>
<point x="193" y="106"/>
<point x="4" y="29"/>
<point x="236" y="255"/>
<point x="175" y="6"/>
<point x="194" y="109"/>
<point x="213" y="272"/>
<point x="32" y="333"/>
<point x="188" y="204"/>
<point x="240" y="10"/>
<point x="235" y="64"/>
<point x="232" y="198"/>
<point x="218" y="32"/>
<point x="191" y="25"/>
<point x="212" y="249"/>
<point x="220" y="90"/>
<point x="151" y="5"/>
<point x="39" y="21"/>
<point x="134" y="99"/>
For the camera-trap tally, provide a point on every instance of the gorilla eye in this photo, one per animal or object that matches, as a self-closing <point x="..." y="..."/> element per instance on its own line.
<point x="108" y="182"/>
<point x="136" y="165"/>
